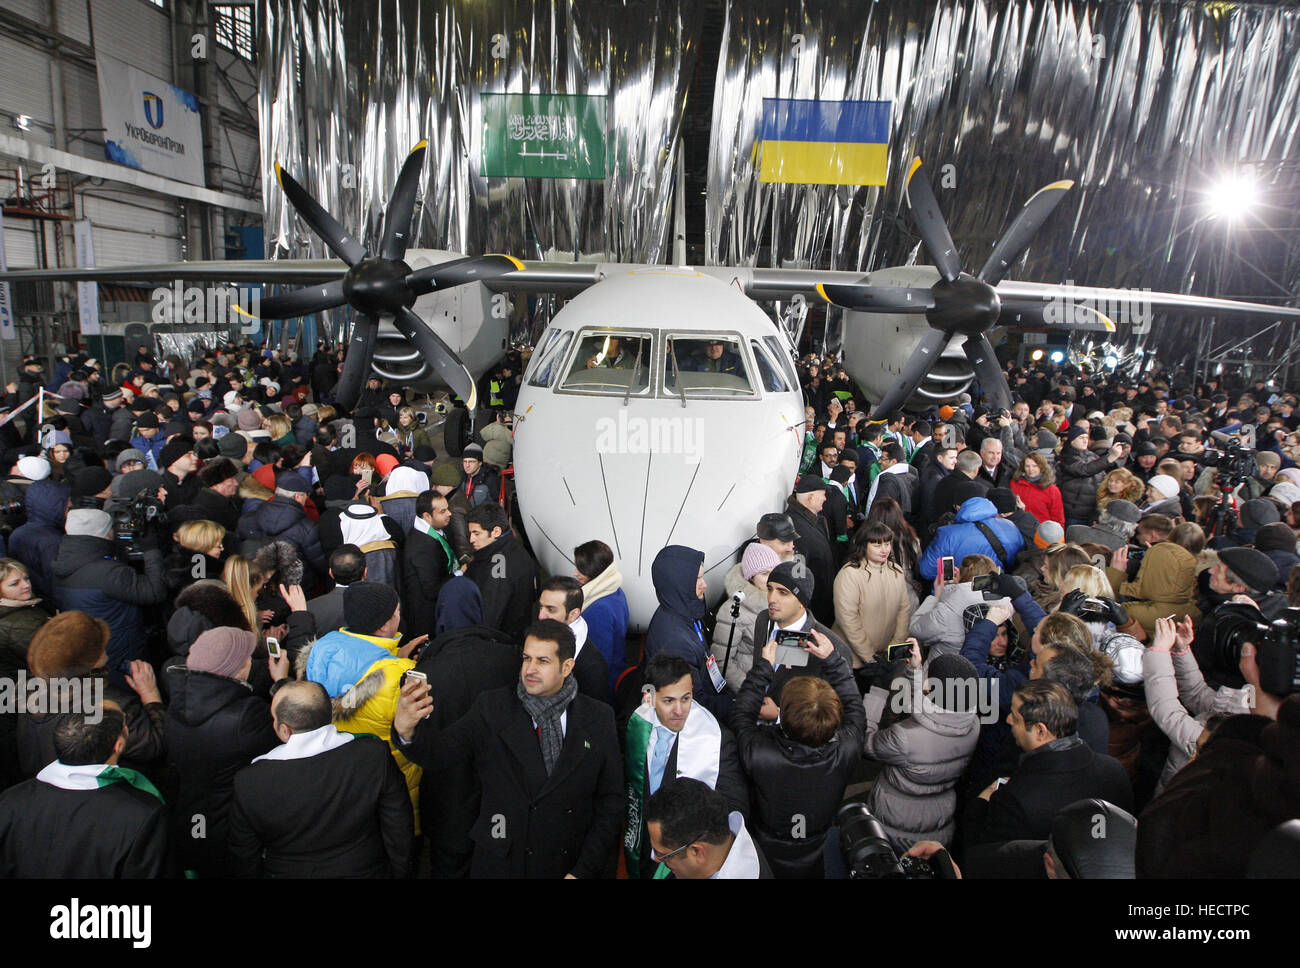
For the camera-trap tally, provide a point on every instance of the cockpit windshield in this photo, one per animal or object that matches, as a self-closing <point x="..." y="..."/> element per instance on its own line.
<point x="705" y="367"/>
<point x="611" y="361"/>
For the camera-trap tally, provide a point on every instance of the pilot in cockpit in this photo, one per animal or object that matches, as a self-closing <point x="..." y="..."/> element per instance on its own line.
<point x="606" y="351"/>
<point x="714" y="357"/>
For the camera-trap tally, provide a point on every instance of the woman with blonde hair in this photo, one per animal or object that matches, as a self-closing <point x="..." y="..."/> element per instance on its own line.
<point x="1088" y="579"/>
<point x="197" y="555"/>
<point x="1120" y="484"/>
<point x="21" y="616"/>
<point x="281" y="430"/>
<point x="1034" y="482"/>
<point x="408" y="434"/>
<point x="1056" y="565"/>
<point x="244" y="580"/>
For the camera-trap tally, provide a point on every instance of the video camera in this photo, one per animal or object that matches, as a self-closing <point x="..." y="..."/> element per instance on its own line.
<point x="145" y="517"/>
<point x="1235" y="464"/>
<point x="870" y="854"/>
<point x="1277" y="645"/>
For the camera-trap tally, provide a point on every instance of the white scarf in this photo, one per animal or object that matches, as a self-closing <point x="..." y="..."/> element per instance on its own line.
<point x="742" y="860"/>
<point x="698" y="744"/>
<point x="302" y="746"/>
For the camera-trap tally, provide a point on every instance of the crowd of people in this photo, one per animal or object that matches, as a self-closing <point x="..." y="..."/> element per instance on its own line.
<point x="307" y="643"/>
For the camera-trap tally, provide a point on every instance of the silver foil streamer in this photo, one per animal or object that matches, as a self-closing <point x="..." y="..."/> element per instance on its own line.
<point x="1143" y="104"/>
<point x="347" y="89"/>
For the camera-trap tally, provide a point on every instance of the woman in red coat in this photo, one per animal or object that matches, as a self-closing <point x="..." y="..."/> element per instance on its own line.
<point x="1035" y="484"/>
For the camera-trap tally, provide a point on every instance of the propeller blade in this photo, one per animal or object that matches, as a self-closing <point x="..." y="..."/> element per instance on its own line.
<point x="397" y="220"/>
<point x="460" y="271"/>
<point x="303" y="302"/>
<point x="930" y="223"/>
<point x="1053" y="313"/>
<point x="1016" y="239"/>
<point x="877" y="299"/>
<point x="322" y="222"/>
<point x="925" y="355"/>
<point x="993" y="382"/>
<point x="444" y="360"/>
<point x="356" y="360"/>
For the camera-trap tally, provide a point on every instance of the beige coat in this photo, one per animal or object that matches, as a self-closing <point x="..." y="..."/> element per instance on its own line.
<point x="872" y="609"/>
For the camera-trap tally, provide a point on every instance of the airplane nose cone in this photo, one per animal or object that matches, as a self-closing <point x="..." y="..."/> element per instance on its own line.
<point x="377" y="286"/>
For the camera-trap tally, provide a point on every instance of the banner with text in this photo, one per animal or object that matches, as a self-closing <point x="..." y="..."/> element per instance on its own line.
<point x="87" y="292"/>
<point x="149" y="124"/>
<point x="544" y="135"/>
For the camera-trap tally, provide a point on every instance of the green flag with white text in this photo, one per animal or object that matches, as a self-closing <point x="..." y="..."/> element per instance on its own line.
<point x="544" y="136"/>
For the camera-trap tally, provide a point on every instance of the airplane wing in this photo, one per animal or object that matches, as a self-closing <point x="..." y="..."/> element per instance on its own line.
<point x="267" y="271"/>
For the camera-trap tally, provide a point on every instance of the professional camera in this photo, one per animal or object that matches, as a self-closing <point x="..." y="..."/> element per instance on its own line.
<point x="144" y="517"/>
<point x="870" y="854"/>
<point x="1235" y="464"/>
<point x="1277" y="645"/>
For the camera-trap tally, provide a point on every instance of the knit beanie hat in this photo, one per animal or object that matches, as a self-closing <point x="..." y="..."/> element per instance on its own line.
<point x="800" y="584"/>
<point x="1259" y="512"/>
<point x="1003" y="498"/>
<point x="113" y="394"/>
<point x="953" y="677"/>
<point x="367" y="605"/>
<point x="127" y="456"/>
<point x="472" y="450"/>
<point x="147" y="421"/>
<point x="88" y="521"/>
<point x="221" y="651"/>
<point x="265" y="475"/>
<point x="233" y="445"/>
<point x="90" y="481"/>
<point x="174" y="450"/>
<point x="1254" y="568"/>
<point x="34" y="468"/>
<point x="1277" y="536"/>
<point x="1076" y="430"/>
<point x="249" y="419"/>
<point x="446" y="475"/>
<point x="1266" y="458"/>
<point x="1165" y="485"/>
<point x="1046" y="440"/>
<point x="758" y="558"/>
<point x="385" y="464"/>
<point x="1049" y="533"/>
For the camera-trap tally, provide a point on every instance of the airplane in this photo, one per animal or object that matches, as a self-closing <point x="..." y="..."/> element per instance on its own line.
<point x="650" y="451"/>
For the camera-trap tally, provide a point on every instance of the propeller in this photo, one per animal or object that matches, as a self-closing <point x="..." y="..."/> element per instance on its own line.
<point x="383" y="285"/>
<point x="958" y="302"/>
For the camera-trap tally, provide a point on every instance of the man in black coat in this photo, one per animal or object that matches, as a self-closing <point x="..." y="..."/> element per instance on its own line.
<point x="83" y="816"/>
<point x="814" y="543"/>
<point x="503" y="570"/>
<point x="215" y="499"/>
<point x="789" y="595"/>
<point x="547" y="759"/>
<point x="347" y="566"/>
<point x="324" y="804"/>
<point x="560" y="599"/>
<point x="428" y="561"/>
<point x="1057" y="769"/>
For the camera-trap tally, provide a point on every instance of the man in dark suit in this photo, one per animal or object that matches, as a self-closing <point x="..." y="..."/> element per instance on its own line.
<point x="503" y="570"/>
<point x="547" y="759"/>
<point x="813" y="543"/>
<point x="561" y="600"/>
<point x="1056" y="769"/>
<point x="790" y="591"/>
<point x="322" y="804"/>
<point x="347" y="566"/>
<point x="669" y="736"/>
<point x="428" y="561"/>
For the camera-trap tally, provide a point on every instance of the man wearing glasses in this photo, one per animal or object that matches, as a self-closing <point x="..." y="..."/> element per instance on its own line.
<point x="693" y="835"/>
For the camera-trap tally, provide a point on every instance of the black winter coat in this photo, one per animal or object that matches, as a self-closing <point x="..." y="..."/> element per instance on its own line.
<point x="789" y="778"/>
<point x="814" y="544"/>
<point x="145" y="743"/>
<point x="566" y="823"/>
<point x="341" y="813"/>
<point x="425" y="569"/>
<point x="506" y="575"/>
<point x="215" y="726"/>
<point x="282" y="519"/>
<point x="1080" y="473"/>
<point x="36" y="543"/>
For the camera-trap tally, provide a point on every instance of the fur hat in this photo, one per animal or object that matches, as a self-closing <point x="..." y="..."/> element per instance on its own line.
<point x="367" y="605"/>
<point x="70" y="644"/>
<point x="216" y="471"/>
<point x="221" y="651"/>
<point x="1125" y="511"/>
<point x="174" y="450"/>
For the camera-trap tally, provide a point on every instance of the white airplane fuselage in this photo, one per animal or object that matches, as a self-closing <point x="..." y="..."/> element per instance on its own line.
<point x="640" y="471"/>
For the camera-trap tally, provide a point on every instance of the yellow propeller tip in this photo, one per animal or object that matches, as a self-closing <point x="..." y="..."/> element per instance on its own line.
<point x="424" y="143"/>
<point x="912" y="171"/>
<point x="519" y="266"/>
<point x="821" y="291"/>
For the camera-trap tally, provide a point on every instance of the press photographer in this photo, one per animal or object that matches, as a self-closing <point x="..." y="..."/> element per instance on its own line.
<point x="89" y="576"/>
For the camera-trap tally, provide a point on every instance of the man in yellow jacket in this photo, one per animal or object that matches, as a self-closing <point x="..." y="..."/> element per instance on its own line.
<point x="361" y="666"/>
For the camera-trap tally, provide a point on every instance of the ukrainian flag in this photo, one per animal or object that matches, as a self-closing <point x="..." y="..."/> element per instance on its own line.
<point x="824" y="142"/>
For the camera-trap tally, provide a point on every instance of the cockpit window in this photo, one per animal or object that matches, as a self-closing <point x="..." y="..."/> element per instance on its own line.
<point x="611" y="361"/>
<point x="549" y="353"/>
<point x="768" y="373"/>
<point x="707" y="366"/>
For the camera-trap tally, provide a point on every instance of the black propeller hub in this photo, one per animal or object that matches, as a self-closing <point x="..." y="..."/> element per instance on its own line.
<point x="965" y="305"/>
<point x="377" y="286"/>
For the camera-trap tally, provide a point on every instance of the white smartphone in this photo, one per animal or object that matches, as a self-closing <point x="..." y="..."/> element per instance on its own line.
<point x="273" y="647"/>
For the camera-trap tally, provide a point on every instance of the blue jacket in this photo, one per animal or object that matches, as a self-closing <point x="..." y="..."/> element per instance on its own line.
<point x="36" y="543"/>
<point x="675" y="627"/>
<point x="607" y="620"/>
<point x="152" y="448"/>
<point x="339" y="660"/>
<point x="964" y="538"/>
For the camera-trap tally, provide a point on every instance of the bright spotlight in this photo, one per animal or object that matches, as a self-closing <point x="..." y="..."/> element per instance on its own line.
<point x="1036" y="355"/>
<point x="1111" y="362"/>
<point x="1057" y="356"/>
<point x="1233" y="197"/>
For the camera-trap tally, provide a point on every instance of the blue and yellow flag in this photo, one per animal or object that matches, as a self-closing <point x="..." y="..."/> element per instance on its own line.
<point x="824" y="142"/>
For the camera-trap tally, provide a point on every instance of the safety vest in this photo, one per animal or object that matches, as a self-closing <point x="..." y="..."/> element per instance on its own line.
<point x="494" y="394"/>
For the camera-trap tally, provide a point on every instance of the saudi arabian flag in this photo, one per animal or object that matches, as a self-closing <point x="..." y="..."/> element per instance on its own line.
<point x="699" y="746"/>
<point x="94" y="777"/>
